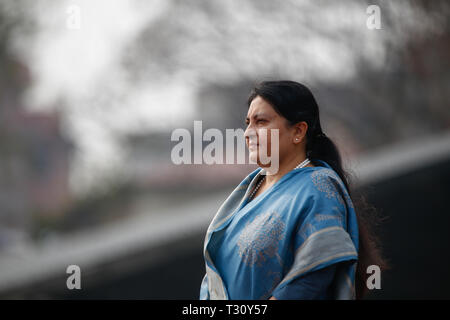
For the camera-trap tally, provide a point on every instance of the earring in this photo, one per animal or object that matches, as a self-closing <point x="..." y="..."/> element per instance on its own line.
<point x="296" y="139"/>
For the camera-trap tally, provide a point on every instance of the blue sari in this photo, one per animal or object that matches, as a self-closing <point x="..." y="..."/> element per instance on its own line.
<point x="303" y="223"/>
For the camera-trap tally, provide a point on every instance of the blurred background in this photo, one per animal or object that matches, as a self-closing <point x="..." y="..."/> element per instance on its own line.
<point x="91" y="91"/>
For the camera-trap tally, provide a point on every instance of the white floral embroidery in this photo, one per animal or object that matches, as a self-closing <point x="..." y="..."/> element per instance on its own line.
<point x="322" y="181"/>
<point x="260" y="238"/>
<point x="325" y="216"/>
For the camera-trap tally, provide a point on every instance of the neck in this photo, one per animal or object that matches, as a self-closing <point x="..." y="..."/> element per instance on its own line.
<point x="285" y="166"/>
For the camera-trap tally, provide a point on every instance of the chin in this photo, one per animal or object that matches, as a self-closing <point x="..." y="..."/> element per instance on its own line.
<point x="253" y="157"/>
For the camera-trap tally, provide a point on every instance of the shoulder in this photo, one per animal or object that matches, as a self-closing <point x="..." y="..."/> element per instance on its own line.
<point x="321" y="189"/>
<point x="319" y="181"/>
<point x="326" y="182"/>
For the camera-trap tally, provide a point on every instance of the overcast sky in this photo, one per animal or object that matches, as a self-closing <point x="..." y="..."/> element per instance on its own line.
<point x="136" y="66"/>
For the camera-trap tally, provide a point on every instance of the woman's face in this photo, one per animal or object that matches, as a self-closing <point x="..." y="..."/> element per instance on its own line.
<point x="262" y="117"/>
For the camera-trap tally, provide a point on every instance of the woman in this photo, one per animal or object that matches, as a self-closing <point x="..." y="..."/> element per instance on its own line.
<point x="289" y="232"/>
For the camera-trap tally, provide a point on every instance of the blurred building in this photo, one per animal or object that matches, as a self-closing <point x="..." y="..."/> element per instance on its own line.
<point x="34" y="159"/>
<point x="150" y="166"/>
<point x="34" y="166"/>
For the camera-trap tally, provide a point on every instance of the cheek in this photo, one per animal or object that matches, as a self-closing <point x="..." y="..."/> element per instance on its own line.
<point x="267" y="141"/>
<point x="264" y="138"/>
<point x="281" y="142"/>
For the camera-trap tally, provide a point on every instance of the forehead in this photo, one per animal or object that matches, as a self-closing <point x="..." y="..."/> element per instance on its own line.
<point x="259" y="106"/>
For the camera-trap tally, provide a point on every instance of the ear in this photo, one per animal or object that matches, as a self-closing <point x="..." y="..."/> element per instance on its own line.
<point x="300" y="130"/>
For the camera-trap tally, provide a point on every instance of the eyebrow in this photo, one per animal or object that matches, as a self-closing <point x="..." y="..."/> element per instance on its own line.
<point x="256" y="116"/>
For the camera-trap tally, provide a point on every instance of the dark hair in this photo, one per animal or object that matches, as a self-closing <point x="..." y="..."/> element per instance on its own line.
<point x="296" y="103"/>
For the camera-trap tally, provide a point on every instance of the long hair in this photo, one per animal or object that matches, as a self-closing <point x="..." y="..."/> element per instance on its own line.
<point x="296" y="103"/>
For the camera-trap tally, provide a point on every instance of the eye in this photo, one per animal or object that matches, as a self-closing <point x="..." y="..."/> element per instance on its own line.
<point x="261" y="121"/>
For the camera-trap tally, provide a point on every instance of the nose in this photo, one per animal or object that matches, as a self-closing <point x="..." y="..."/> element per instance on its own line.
<point x="250" y="135"/>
